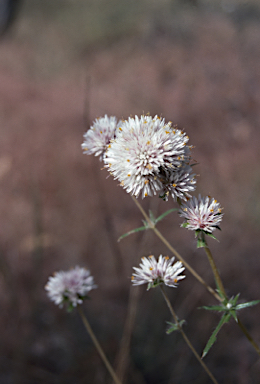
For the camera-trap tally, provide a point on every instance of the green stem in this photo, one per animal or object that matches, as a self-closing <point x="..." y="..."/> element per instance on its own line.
<point x="215" y="270"/>
<point x="222" y="289"/>
<point x="194" y="273"/>
<point x="173" y="250"/>
<point x="186" y="337"/>
<point x="98" y="347"/>
<point x="251" y="340"/>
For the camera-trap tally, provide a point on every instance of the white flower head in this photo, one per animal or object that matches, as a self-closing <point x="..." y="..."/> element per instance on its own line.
<point x="141" y="149"/>
<point x="97" y="138"/>
<point x="178" y="183"/>
<point x="202" y="214"/>
<point x="153" y="272"/>
<point x="70" y="287"/>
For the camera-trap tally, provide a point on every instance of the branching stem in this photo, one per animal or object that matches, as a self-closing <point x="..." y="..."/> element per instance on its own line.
<point x="194" y="273"/>
<point x="186" y="337"/>
<point x="173" y="250"/>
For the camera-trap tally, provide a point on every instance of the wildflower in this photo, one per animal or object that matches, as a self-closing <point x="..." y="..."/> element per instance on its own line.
<point x="153" y="272"/>
<point x="202" y="214"/>
<point x="178" y="183"/>
<point x="70" y="287"/>
<point x="97" y="138"/>
<point x="142" y="148"/>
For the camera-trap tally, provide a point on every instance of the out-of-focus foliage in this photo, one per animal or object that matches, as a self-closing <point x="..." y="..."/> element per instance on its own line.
<point x="64" y="63"/>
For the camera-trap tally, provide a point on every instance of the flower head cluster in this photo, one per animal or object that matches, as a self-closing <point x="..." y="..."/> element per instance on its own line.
<point x="97" y="138"/>
<point x="153" y="272"/>
<point x="70" y="287"/>
<point x="148" y="156"/>
<point x="202" y="214"/>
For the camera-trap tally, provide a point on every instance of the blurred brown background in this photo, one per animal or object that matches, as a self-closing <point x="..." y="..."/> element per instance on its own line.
<point x="62" y="64"/>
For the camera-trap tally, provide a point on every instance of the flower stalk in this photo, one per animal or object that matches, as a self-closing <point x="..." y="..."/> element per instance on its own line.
<point x="173" y="250"/>
<point x="195" y="274"/>
<point x="186" y="337"/>
<point x="98" y="347"/>
<point x="222" y="289"/>
<point x="215" y="270"/>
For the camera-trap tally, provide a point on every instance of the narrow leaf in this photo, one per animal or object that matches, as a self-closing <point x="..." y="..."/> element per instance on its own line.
<point x="132" y="231"/>
<point x="215" y="308"/>
<point x="246" y="305"/>
<point x="174" y="327"/>
<point x="224" y="319"/>
<point x="234" y="314"/>
<point x="151" y="215"/>
<point x="165" y="214"/>
<point x="213" y="237"/>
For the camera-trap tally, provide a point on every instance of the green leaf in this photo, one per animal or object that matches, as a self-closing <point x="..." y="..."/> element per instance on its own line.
<point x="132" y="231"/>
<point x="165" y="214"/>
<point x="70" y="307"/>
<point x="174" y="326"/>
<point x="234" y="314"/>
<point x="149" y="286"/>
<point x="219" y="308"/>
<point x="221" y="294"/>
<point x="184" y="225"/>
<point x="146" y="225"/>
<point x="246" y="305"/>
<point x="224" y="319"/>
<point x="152" y="218"/>
<point x="213" y="237"/>
<point x="234" y="301"/>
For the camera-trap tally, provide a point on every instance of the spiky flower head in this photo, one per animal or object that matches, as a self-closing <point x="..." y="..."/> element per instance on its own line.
<point x="202" y="214"/>
<point x="97" y="138"/>
<point x="153" y="272"/>
<point x="177" y="183"/>
<point x="70" y="287"/>
<point x="144" y="147"/>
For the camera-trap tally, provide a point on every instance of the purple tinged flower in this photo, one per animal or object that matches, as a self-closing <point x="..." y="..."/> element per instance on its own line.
<point x="153" y="272"/>
<point x="97" y="138"/>
<point x="202" y="214"/>
<point x="70" y="287"/>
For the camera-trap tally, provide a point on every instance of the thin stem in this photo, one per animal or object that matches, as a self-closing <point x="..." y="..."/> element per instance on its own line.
<point x="186" y="337"/>
<point x="251" y="340"/>
<point x="173" y="250"/>
<point x="193" y="272"/>
<point x="215" y="270"/>
<point x="98" y="347"/>
<point x="222" y="289"/>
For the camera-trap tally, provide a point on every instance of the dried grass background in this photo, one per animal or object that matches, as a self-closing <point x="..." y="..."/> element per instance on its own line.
<point x="64" y="63"/>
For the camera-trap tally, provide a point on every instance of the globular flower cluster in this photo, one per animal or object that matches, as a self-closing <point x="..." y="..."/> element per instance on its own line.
<point x="97" y="138"/>
<point x="153" y="272"/>
<point x="70" y="287"/>
<point x="146" y="155"/>
<point x="201" y="215"/>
